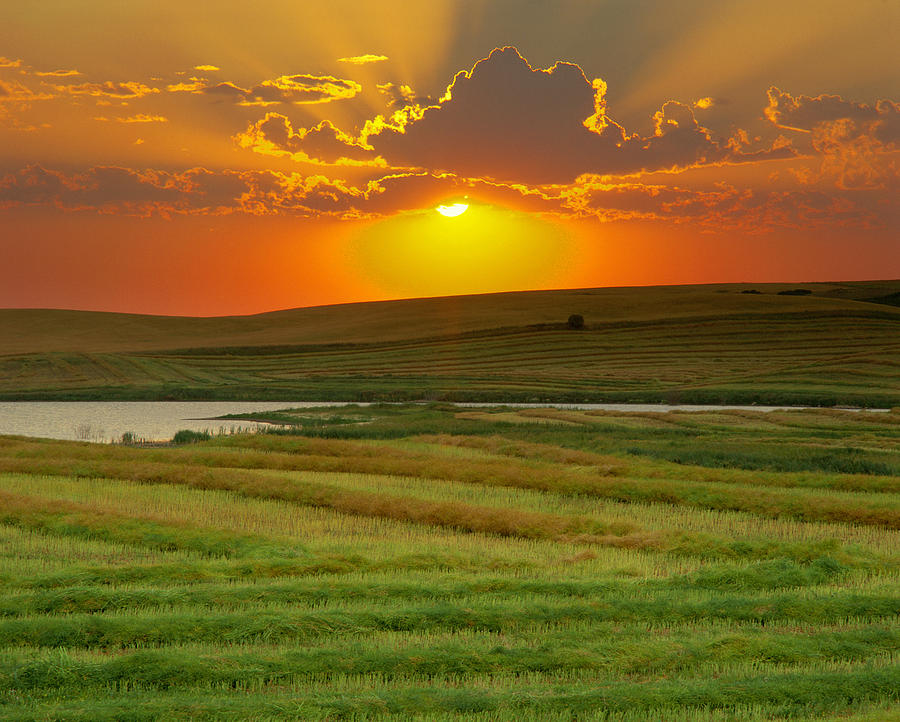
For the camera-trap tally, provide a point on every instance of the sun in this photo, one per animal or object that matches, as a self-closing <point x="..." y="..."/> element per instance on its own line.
<point x="453" y="210"/>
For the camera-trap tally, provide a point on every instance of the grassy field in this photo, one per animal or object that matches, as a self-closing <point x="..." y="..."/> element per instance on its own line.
<point x="430" y="562"/>
<point x="690" y="344"/>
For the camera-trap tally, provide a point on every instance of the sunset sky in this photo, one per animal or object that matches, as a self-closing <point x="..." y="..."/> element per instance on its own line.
<point x="221" y="158"/>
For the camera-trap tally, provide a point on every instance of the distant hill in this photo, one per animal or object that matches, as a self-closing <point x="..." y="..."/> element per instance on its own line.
<point x="40" y="330"/>
<point x="840" y="343"/>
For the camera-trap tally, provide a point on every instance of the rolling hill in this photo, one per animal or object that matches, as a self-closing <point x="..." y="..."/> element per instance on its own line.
<point x="838" y="344"/>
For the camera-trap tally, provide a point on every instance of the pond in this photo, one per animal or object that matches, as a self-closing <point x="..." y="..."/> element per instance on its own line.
<point x="106" y="421"/>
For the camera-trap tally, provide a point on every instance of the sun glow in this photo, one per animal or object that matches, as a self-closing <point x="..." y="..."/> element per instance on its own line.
<point x="486" y="249"/>
<point x="453" y="210"/>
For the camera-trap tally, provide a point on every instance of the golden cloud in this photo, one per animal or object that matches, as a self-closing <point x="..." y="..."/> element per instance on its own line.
<point x="322" y="144"/>
<point x="13" y="91"/>
<point x="139" y="118"/>
<point x="129" y="89"/>
<point x="196" y="85"/>
<point x="207" y="68"/>
<point x="57" y="73"/>
<point x="297" y="89"/>
<point x="363" y="59"/>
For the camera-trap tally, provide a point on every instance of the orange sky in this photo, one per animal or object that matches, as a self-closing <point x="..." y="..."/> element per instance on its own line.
<point x="160" y="158"/>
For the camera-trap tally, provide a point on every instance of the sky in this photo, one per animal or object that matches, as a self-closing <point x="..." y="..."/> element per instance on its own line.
<point x="218" y="158"/>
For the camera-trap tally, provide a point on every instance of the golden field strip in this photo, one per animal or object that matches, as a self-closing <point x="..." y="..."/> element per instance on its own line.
<point x="432" y="562"/>
<point x="689" y="344"/>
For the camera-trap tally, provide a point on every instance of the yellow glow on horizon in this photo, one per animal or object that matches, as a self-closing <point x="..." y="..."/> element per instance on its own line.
<point x="453" y="210"/>
<point x="484" y="250"/>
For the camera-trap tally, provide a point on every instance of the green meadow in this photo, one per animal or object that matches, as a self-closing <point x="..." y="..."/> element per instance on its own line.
<point x="838" y="344"/>
<point x="434" y="562"/>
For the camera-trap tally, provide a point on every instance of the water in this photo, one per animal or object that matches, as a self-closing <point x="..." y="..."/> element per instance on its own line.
<point x="644" y="408"/>
<point x="106" y="421"/>
<point x="147" y="420"/>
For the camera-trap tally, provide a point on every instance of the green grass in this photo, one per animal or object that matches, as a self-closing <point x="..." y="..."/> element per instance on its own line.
<point x="434" y="563"/>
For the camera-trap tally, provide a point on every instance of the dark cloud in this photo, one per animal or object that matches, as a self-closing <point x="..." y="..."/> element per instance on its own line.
<point x="854" y="140"/>
<point x="127" y="191"/>
<point x="502" y="120"/>
<point x="117" y="190"/>
<point x="113" y="189"/>
<point x="33" y="185"/>
<point x="750" y="210"/>
<point x="506" y="121"/>
<point x="806" y="113"/>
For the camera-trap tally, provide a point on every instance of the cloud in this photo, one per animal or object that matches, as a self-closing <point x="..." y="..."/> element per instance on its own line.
<point x="804" y="113"/>
<point x="508" y="122"/>
<point x="855" y="155"/>
<point x="501" y="120"/>
<point x="10" y="121"/>
<point x="196" y="85"/>
<point x="12" y="91"/>
<point x="855" y="141"/>
<point x="363" y="59"/>
<point x="101" y="188"/>
<point x="8" y="63"/>
<point x="322" y="143"/>
<point x="139" y="118"/>
<point x="127" y="191"/>
<point x="57" y="73"/>
<point x="505" y="120"/>
<point x="401" y="95"/>
<point x="725" y="206"/>
<point x="608" y="201"/>
<point x="297" y="89"/>
<point x="207" y="68"/>
<point x="198" y="191"/>
<point x="414" y="191"/>
<point x="127" y="90"/>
